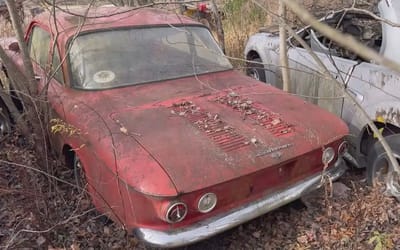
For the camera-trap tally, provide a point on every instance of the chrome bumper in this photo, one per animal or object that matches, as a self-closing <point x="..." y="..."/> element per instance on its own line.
<point x="217" y="224"/>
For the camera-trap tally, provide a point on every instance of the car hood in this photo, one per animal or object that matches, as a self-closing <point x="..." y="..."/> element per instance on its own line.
<point x="201" y="140"/>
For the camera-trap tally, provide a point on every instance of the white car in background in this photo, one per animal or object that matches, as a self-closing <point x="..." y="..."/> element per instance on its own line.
<point x="376" y="88"/>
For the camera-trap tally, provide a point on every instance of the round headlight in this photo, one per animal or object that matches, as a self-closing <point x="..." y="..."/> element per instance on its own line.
<point x="176" y="212"/>
<point x="207" y="202"/>
<point x="328" y="155"/>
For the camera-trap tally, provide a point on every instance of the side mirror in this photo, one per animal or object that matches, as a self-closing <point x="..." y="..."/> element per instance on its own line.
<point x="14" y="47"/>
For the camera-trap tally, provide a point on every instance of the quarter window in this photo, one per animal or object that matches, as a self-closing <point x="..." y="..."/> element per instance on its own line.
<point x="39" y="44"/>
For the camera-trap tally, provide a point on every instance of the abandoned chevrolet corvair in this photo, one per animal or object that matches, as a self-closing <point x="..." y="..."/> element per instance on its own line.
<point x="175" y="145"/>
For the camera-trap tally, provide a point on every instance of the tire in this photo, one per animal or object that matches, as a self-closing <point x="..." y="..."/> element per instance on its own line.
<point x="5" y="123"/>
<point x="378" y="164"/>
<point x="256" y="69"/>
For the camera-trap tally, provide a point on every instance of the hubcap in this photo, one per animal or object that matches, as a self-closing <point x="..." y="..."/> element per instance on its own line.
<point x="4" y="125"/>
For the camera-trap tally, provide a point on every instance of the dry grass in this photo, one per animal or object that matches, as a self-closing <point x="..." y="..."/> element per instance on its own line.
<point x="6" y="29"/>
<point x="242" y="18"/>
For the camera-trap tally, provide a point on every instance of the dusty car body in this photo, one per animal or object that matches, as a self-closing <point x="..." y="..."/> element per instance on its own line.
<point x="176" y="146"/>
<point x="373" y="86"/>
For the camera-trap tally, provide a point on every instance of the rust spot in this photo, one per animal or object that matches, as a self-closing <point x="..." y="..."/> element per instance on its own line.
<point x="391" y="115"/>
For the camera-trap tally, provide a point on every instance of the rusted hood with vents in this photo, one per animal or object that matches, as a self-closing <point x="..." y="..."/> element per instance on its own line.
<point x="206" y="139"/>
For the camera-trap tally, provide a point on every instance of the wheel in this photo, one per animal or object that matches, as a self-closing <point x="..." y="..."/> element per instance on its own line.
<point x="255" y="69"/>
<point x="379" y="169"/>
<point x="5" y="124"/>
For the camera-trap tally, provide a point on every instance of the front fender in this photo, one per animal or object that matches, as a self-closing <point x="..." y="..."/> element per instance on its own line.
<point x="261" y="43"/>
<point x="385" y="112"/>
<point x="388" y="113"/>
<point x="266" y="45"/>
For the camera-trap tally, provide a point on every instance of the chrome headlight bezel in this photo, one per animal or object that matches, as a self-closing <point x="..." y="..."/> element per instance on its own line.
<point x="207" y="202"/>
<point x="170" y="210"/>
<point x="328" y="154"/>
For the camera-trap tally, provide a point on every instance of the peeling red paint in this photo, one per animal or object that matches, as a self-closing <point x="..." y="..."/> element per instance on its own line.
<point x="150" y="144"/>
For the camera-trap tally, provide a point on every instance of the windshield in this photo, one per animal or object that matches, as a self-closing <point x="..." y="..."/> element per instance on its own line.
<point x="114" y="58"/>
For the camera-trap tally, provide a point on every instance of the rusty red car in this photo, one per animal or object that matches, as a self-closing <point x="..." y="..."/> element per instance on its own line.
<point x="175" y="145"/>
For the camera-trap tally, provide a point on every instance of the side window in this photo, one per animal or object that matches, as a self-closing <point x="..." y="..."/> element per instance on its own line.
<point x="39" y="44"/>
<point x="56" y="67"/>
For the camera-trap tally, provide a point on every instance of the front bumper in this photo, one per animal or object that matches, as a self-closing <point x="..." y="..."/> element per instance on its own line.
<point x="217" y="224"/>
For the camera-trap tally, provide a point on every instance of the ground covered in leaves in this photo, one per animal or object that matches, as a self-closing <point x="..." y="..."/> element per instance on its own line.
<point x="43" y="210"/>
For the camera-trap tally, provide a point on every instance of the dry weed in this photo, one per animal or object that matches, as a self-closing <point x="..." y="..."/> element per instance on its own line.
<point x="6" y="29"/>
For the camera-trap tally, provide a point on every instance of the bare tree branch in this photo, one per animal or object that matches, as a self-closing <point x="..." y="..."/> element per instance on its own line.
<point x="12" y="9"/>
<point x="376" y="17"/>
<point x="220" y="30"/>
<point x="282" y="48"/>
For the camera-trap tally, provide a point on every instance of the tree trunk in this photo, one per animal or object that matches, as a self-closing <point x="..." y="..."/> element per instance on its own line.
<point x="282" y="47"/>
<point x="24" y="87"/>
<point x="218" y="22"/>
<point x="12" y="9"/>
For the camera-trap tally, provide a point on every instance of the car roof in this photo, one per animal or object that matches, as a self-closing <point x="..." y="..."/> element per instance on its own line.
<point x="70" y="19"/>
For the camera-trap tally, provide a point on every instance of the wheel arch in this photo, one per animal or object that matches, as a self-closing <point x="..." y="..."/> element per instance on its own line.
<point x="252" y="54"/>
<point x="366" y="138"/>
<point x="69" y="155"/>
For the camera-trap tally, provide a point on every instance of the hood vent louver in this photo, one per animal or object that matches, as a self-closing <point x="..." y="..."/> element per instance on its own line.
<point x="220" y="132"/>
<point x="263" y="117"/>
